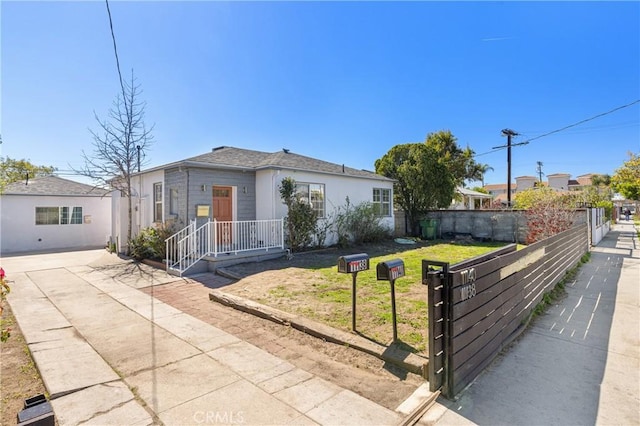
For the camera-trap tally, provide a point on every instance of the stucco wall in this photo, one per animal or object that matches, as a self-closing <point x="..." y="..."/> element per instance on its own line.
<point x="337" y="189"/>
<point x="19" y="233"/>
<point x="496" y="225"/>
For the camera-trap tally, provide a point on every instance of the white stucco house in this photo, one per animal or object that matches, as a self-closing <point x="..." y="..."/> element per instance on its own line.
<point x="52" y="213"/>
<point x="468" y="199"/>
<point x="234" y="194"/>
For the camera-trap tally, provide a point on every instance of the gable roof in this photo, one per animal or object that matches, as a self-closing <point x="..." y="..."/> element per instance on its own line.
<point x="230" y="157"/>
<point x="53" y="185"/>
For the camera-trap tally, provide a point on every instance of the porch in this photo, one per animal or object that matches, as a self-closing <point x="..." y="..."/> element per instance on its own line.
<point x="218" y="243"/>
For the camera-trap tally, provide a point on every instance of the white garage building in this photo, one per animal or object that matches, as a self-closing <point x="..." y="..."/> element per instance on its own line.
<point x="51" y="213"/>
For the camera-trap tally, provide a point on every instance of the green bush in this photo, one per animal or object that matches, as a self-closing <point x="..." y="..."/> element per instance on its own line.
<point x="150" y="242"/>
<point x="301" y="219"/>
<point x="359" y="224"/>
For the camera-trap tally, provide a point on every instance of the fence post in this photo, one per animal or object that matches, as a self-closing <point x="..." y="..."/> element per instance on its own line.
<point x="439" y="345"/>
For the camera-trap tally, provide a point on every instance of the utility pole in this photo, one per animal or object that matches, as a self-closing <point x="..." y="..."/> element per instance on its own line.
<point x="508" y="133"/>
<point x="138" y="147"/>
<point x="539" y="168"/>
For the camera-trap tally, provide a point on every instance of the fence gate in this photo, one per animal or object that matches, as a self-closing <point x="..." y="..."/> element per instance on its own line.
<point x="478" y="306"/>
<point x="439" y="278"/>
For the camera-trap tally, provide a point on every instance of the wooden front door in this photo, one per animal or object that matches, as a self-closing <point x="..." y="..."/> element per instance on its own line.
<point x="223" y="212"/>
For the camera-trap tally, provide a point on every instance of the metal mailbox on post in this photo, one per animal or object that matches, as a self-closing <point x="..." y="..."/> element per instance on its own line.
<point x="352" y="264"/>
<point x="390" y="271"/>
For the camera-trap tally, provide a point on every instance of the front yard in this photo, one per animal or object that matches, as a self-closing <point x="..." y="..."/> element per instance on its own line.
<point x="309" y="285"/>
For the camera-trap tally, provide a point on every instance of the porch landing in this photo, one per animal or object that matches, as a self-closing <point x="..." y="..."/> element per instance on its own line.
<point x="211" y="263"/>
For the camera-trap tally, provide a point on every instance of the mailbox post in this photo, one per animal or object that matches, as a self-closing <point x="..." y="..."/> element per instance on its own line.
<point x="390" y="271"/>
<point x="353" y="264"/>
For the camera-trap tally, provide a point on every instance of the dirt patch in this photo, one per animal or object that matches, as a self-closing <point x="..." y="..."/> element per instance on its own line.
<point x="309" y="285"/>
<point x="19" y="377"/>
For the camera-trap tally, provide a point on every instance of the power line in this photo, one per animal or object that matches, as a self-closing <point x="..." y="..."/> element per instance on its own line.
<point x="115" y="50"/>
<point x="498" y="148"/>
<point x="583" y="121"/>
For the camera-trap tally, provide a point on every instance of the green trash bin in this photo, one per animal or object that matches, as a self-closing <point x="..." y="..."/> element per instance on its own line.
<point x="429" y="227"/>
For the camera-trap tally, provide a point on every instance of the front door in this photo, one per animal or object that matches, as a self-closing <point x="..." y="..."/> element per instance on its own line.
<point x="223" y="213"/>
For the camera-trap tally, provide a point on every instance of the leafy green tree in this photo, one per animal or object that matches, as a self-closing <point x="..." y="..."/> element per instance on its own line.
<point x="601" y="180"/>
<point x="626" y="179"/>
<point x="423" y="182"/>
<point x="480" y="189"/>
<point x="301" y="219"/>
<point x="459" y="161"/>
<point x="16" y="170"/>
<point x="478" y="170"/>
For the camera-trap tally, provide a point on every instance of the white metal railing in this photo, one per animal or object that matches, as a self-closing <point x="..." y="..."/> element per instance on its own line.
<point x="188" y="246"/>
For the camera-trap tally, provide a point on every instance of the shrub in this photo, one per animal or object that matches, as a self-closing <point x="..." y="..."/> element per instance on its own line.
<point x="546" y="220"/>
<point x="5" y="332"/>
<point x="301" y="219"/>
<point x="359" y="224"/>
<point x="150" y="242"/>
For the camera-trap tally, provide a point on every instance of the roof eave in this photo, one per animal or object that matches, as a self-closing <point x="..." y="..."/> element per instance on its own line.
<point x="372" y="177"/>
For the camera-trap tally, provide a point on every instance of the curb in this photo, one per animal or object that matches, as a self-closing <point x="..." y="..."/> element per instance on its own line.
<point x="400" y="357"/>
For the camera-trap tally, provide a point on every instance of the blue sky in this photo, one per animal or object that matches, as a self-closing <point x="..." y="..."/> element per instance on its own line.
<point x="339" y="81"/>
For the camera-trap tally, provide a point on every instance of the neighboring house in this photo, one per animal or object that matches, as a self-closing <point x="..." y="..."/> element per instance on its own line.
<point x="469" y="200"/>
<point x="52" y="213"/>
<point x="499" y="191"/>
<point x="558" y="181"/>
<point x="238" y="185"/>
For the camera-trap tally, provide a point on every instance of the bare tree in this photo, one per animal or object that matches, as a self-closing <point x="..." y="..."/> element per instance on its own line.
<point x="119" y="145"/>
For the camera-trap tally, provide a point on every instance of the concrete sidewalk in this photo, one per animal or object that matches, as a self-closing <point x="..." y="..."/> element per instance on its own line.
<point x="578" y="364"/>
<point x="110" y="354"/>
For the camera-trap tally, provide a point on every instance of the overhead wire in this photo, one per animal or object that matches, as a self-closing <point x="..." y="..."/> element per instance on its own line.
<point x="496" y="149"/>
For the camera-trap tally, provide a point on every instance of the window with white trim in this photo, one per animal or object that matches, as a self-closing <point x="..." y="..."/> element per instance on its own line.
<point x="58" y="215"/>
<point x="313" y="194"/>
<point x="382" y="201"/>
<point x="157" y="202"/>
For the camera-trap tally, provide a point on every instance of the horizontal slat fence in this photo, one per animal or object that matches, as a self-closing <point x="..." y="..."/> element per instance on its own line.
<point x="486" y="301"/>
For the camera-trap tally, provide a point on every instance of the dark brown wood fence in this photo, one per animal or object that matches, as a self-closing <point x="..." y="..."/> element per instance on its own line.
<point x="478" y="306"/>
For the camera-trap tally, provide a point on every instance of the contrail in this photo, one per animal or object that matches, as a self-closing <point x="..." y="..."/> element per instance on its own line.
<point x="497" y="38"/>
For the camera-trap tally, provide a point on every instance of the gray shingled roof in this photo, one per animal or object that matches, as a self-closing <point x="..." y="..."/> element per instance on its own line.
<point x="52" y="185"/>
<point x="237" y="157"/>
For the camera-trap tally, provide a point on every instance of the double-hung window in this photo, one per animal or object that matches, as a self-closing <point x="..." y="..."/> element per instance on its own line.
<point x="382" y="201"/>
<point x="157" y="202"/>
<point x="173" y="201"/>
<point x="313" y="194"/>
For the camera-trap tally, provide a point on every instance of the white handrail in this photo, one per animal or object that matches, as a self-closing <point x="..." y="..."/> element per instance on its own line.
<point x="186" y="247"/>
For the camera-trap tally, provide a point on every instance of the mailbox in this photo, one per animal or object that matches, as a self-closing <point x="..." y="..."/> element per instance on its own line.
<point x="390" y="270"/>
<point x="353" y="263"/>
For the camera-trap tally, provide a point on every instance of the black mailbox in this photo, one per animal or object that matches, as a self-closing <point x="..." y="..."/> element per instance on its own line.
<point x="390" y="270"/>
<point x="353" y="263"/>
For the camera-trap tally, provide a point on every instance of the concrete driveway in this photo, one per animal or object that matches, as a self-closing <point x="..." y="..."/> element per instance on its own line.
<point x="111" y="354"/>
